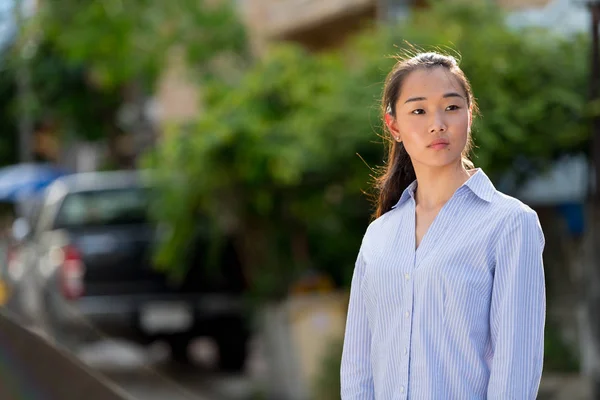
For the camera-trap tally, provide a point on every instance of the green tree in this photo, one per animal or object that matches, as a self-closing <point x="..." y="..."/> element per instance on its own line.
<point x="281" y="159"/>
<point x="89" y="59"/>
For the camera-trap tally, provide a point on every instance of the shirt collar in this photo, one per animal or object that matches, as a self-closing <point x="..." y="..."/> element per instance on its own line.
<point x="481" y="185"/>
<point x="478" y="183"/>
<point x="409" y="193"/>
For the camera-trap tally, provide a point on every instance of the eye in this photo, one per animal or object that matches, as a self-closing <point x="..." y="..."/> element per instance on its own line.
<point x="452" y="108"/>
<point x="418" y="111"/>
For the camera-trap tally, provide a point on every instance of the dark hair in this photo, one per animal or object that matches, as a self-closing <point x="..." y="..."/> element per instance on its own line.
<point x="399" y="172"/>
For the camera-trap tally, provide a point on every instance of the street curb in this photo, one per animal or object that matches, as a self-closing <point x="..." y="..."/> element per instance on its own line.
<point x="32" y="368"/>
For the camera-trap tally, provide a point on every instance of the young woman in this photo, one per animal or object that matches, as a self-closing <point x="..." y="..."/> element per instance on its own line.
<point x="448" y="296"/>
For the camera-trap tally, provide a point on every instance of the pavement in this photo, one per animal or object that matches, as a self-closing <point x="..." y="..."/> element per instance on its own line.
<point x="146" y="373"/>
<point x="31" y="368"/>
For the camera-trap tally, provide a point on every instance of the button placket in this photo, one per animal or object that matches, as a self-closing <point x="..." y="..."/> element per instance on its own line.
<point x="405" y="312"/>
<point x="406" y="335"/>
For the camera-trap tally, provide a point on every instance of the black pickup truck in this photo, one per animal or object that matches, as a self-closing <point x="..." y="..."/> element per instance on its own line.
<point x="86" y="273"/>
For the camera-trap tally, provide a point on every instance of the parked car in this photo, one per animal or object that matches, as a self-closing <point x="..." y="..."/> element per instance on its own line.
<point x="87" y="273"/>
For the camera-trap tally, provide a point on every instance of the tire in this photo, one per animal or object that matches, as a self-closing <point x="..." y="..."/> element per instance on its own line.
<point x="180" y="351"/>
<point x="233" y="351"/>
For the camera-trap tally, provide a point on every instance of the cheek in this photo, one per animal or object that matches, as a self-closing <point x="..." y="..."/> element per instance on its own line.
<point x="412" y="130"/>
<point x="415" y="143"/>
<point x="460" y="127"/>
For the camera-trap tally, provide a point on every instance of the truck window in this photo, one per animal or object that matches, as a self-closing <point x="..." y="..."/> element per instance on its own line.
<point x="105" y="207"/>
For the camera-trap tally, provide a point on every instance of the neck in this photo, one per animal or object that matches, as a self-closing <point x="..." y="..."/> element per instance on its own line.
<point x="437" y="185"/>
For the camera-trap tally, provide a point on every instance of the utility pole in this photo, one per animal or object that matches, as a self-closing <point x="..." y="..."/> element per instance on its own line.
<point x="592" y="275"/>
<point x="24" y="93"/>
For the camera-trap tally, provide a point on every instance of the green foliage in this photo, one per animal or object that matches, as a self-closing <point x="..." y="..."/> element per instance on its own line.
<point x="122" y="40"/>
<point x="558" y="357"/>
<point x="280" y="158"/>
<point x="272" y="153"/>
<point x="86" y="59"/>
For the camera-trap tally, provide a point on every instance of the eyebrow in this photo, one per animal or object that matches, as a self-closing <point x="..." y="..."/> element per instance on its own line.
<point x="447" y="95"/>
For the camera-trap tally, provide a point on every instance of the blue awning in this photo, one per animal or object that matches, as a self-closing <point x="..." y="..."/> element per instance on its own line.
<point x="22" y="180"/>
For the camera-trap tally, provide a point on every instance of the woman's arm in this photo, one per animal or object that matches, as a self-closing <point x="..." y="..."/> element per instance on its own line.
<point x="518" y="310"/>
<point x="356" y="374"/>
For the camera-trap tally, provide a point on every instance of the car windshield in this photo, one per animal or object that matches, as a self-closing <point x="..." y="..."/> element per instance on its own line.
<point x="106" y="207"/>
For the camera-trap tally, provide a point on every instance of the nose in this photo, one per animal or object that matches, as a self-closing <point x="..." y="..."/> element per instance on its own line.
<point x="437" y="123"/>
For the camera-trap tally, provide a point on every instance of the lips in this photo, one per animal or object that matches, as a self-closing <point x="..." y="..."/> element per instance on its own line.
<point x="439" y="143"/>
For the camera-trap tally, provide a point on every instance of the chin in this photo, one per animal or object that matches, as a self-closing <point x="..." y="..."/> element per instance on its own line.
<point x="442" y="161"/>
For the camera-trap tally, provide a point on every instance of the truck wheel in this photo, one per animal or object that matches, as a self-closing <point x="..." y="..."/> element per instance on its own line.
<point x="180" y="351"/>
<point x="233" y="351"/>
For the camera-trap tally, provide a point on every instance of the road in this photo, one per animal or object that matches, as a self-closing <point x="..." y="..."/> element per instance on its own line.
<point x="146" y="374"/>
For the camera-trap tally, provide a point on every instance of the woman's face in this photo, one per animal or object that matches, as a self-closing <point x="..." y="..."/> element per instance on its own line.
<point x="432" y="118"/>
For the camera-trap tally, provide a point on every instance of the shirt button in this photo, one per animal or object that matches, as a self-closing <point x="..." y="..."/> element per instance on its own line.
<point x="407" y="314"/>
<point x="407" y="276"/>
<point x="401" y="389"/>
<point x="406" y="350"/>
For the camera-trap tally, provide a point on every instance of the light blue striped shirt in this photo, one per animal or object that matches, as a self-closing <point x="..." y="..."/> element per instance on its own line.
<point x="462" y="317"/>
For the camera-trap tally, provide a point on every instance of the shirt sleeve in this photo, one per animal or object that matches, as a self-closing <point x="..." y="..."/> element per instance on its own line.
<point x="356" y="375"/>
<point x="518" y="310"/>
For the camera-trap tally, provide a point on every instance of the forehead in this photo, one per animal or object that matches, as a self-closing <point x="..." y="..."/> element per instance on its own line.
<point x="429" y="83"/>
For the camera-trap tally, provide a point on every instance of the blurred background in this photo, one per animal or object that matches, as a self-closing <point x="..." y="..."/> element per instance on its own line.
<point x="185" y="184"/>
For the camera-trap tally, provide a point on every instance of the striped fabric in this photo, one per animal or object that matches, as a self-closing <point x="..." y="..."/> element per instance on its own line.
<point x="462" y="317"/>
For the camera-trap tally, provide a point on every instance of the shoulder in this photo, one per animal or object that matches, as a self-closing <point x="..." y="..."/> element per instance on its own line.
<point x="381" y="227"/>
<point x="516" y="217"/>
<point x="511" y="210"/>
<point x="495" y="207"/>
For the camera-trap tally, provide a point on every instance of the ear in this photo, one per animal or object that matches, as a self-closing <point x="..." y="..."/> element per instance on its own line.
<point x="392" y="126"/>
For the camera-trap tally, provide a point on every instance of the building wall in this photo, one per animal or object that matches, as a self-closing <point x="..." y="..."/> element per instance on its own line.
<point x="175" y="99"/>
<point x="332" y="32"/>
<point x="276" y="18"/>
